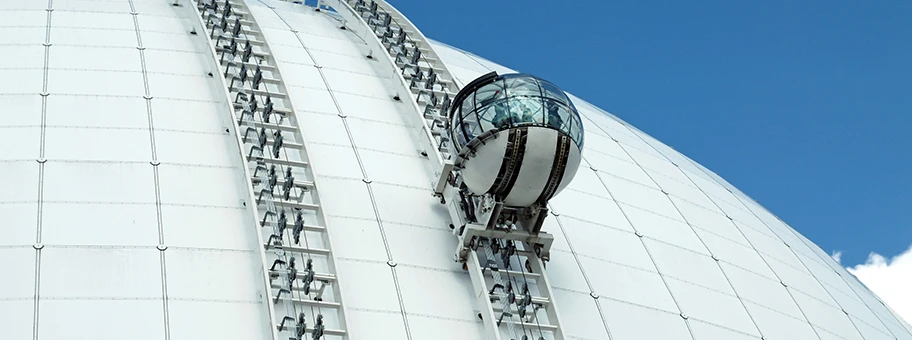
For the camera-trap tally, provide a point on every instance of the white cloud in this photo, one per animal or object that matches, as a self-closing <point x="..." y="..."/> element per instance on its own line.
<point x="837" y="255"/>
<point x="890" y="279"/>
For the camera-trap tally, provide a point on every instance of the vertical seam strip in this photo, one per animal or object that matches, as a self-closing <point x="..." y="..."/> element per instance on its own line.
<point x="158" y="209"/>
<point x="41" y="162"/>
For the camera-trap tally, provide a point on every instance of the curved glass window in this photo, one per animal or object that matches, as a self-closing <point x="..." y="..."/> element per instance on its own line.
<point x="512" y="100"/>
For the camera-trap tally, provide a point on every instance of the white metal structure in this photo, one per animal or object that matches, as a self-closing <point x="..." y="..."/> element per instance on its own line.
<point x="132" y="202"/>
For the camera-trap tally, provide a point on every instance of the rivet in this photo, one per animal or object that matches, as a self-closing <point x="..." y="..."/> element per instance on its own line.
<point x="318" y="66"/>
<point x="155" y="163"/>
<point x="684" y="316"/>
<point x="294" y="30"/>
<point x="366" y="180"/>
<point x="147" y="97"/>
<point x="38" y="246"/>
<point x="45" y="94"/>
<point x="140" y="48"/>
<point x="593" y="168"/>
<point x="729" y="217"/>
<point x="665" y="192"/>
<point x="391" y="263"/>
<point x="42" y="160"/>
<point x="638" y="234"/>
<point x="845" y="312"/>
<point x="134" y="13"/>
<point x="342" y="115"/>
<point x="783" y="284"/>
<point x="593" y="295"/>
<point x="555" y="213"/>
<point x="47" y="44"/>
<point x="161" y="247"/>
<point x="715" y="258"/>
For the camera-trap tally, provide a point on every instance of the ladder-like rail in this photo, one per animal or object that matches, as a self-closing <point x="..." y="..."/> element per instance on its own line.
<point x="305" y="296"/>
<point x="505" y="262"/>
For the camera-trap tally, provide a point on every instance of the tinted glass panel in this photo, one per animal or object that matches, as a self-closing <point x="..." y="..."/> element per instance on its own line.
<point x="495" y="115"/>
<point x="517" y="100"/>
<point x="522" y="86"/>
<point x="553" y="115"/>
<point x="468" y="104"/>
<point x="471" y="127"/>
<point x="576" y="131"/>
<point x="552" y="91"/>
<point x="456" y="127"/>
<point x="526" y="110"/>
<point x="488" y="93"/>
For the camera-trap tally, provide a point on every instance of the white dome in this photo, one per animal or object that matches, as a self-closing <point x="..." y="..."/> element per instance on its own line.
<point x="127" y="208"/>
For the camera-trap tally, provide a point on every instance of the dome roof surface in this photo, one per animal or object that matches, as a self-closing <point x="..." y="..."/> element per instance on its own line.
<point x="127" y="208"/>
<point x="657" y="236"/>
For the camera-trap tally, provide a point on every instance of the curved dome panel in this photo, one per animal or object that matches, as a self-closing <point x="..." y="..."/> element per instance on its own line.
<point x="122" y="196"/>
<point x="656" y="236"/>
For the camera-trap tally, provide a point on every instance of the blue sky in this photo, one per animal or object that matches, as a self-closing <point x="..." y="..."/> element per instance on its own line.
<point x="804" y="105"/>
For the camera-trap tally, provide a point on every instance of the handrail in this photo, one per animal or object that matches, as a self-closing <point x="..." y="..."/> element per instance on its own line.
<point x="250" y="197"/>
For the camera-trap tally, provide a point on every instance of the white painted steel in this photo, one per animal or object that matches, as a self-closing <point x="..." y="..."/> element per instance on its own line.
<point x="643" y="234"/>
<point x="302" y="308"/>
<point x="481" y="169"/>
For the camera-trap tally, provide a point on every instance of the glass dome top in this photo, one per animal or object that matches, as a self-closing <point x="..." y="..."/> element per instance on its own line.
<point x="500" y="102"/>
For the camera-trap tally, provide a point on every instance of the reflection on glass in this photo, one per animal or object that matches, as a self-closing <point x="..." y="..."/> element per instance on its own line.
<point x="456" y="128"/>
<point x="575" y="130"/>
<point x="488" y="94"/>
<point x="522" y="86"/>
<point x="494" y="116"/>
<point x="517" y="100"/>
<point x="468" y="104"/>
<point x="552" y="91"/>
<point x="525" y="110"/>
<point x="471" y="126"/>
<point x="554" y="118"/>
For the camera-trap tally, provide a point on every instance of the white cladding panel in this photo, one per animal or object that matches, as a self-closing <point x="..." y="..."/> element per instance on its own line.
<point x="93" y="96"/>
<point x="707" y="250"/>
<point x="671" y="250"/>
<point x="628" y="183"/>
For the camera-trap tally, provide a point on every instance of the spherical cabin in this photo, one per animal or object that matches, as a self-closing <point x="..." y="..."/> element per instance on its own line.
<point x="518" y="137"/>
